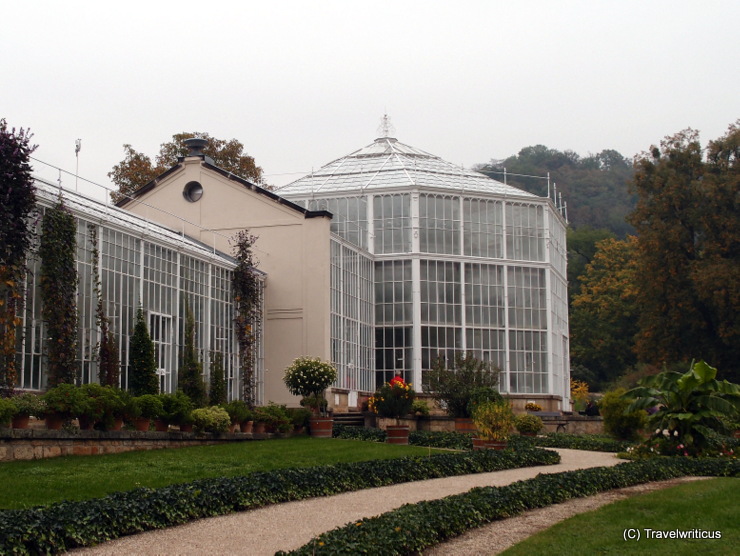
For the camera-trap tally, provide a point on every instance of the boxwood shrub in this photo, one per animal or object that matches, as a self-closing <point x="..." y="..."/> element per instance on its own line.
<point x="65" y="525"/>
<point x="412" y="528"/>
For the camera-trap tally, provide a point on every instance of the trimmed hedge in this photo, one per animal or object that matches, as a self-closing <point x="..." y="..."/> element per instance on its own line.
<point x="590" y="442"/>
<point x="62" y="526"/>
<point x="414" y="527"/>
<point x="431" y="439"/>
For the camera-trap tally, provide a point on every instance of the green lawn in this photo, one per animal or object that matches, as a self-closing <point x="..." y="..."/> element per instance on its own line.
<point x="711" y="505"/>
<point x="37" y="482"/>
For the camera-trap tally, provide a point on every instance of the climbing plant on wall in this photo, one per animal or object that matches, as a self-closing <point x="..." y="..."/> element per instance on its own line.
<point x="246" y="291"/>
<point x="59" y="292"/>
<point x="17" y="205"/>
<point x="109" y="366"/>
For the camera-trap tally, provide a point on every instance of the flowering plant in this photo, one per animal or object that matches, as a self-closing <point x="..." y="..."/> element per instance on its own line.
<point x="394" y="399"/>
<point x="494" y="420"/>
<point x="309" y="377"/>
<point x="531" y="406"/>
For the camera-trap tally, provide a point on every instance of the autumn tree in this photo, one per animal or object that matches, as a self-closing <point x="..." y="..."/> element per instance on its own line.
<point x="582" y="246"/>
<point x="137" y="169"/>
<point x="603" y="320"/>
<point x="17" y="204"/>
<point x="688" y="253"/>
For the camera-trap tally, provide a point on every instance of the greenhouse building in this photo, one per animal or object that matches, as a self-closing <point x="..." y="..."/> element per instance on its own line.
<point x="461" y="264"/>
<point x="382" y="261"/>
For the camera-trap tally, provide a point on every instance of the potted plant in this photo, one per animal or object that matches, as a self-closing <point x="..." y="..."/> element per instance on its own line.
<point x="494" y="421"/>
<point x="238" y="413"/>
<point x="27" y="404"/>
<point x="394" y="400"/>
<point x="279" y="420"/>
<point x="528" y="425"/>
<point x="63" y="402"/>
<point x="532" y="406"/>
<point x="177" y="410"/>
<point x="7" y="411"/>
<point x="211" y="419"/>
<point x="150" y="407"/>
<point x="454" y="387"/>
<point x="300" y="417"/>
<point x="309" y="378"/>
<point x="93" y="405"/>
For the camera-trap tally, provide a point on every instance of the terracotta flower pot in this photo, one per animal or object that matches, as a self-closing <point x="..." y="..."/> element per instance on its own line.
<point x="141" y="424"/>
<point x="161" y="426"/>
<point x="232" y="427"/>
<point x="259" y="428"/>
<point x="117" y="424"/>
<point x="247" y="426"/>
<point x="86" y="423"/>
<point x="20" y="422"/>
<point x="54" y="422"/>
<point x="188" y="427"/>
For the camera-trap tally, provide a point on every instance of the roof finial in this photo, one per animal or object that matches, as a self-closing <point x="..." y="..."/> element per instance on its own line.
<point x="386" y="129"/>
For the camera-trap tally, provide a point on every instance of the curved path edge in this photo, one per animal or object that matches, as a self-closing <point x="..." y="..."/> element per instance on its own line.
<point x="264" y="531"/>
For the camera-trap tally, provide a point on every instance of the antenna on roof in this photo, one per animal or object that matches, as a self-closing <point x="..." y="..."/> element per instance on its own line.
<point x="386" y="129"/>
<point x="78" y="148"/>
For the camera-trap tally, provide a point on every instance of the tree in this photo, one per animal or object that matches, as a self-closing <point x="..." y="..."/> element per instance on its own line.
<point x="58" y="284"/>
<point x="582" y="246"/>
<point x="688" y="220"/>
<point x="136" y="169"/>
<point x="190" y="380"/>
<point x="142" y="377"/>
<point x="17" y="204"/>
<point x="455" y="388"/>
<point x="603" y="318"/>
<point x="595" y="187"/>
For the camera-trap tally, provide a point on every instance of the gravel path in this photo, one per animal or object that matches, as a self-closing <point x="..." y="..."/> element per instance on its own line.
<point x="288" y="526"/>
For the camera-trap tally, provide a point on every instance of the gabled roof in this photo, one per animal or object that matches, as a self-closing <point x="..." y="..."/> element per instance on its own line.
<point x="389" y="164"/>
<point x="233" y="177"/>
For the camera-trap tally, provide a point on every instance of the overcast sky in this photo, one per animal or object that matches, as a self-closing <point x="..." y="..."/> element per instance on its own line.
<point x="301" y="83"/>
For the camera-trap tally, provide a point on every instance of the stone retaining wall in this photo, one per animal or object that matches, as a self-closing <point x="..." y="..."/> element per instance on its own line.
<point x="26" y="444"/>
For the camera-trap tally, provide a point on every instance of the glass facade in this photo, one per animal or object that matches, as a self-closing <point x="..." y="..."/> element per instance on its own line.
<point x="463" y="263"/>
<point x="139" y="264"/>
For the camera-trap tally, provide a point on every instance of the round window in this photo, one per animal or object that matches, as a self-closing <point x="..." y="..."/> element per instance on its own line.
<point x="193" y="191"/>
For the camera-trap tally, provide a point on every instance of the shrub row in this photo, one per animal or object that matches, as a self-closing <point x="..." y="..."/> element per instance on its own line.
<point x="431" y="439"/>
<point x="59" y="527"/>
<point x="415" y="527"/>
<point x="591" y="442"/>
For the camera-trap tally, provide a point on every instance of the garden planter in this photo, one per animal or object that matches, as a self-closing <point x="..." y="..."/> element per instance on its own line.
<point x="20" y="422"/>
<point x="186" y="428"/>
<point x="247" y="427"/>
<point x="464" y="425"/>
<point x="54" y="422"/>
<point x="117" y="424"/>
<point x="86" y="423"/>
<point x="321" y="427"/>
<point x="232" y="428"/>
<point x="259" y="428"/>
<point x="161" y="426"/>
<point x="141" y="424"/>
<point x="483" y="444"/>
<point x="397" y="434"/>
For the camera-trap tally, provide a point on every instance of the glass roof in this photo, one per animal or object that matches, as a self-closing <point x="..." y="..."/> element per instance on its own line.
<point x="389" y="164"/>
<point x="95" y="211"/>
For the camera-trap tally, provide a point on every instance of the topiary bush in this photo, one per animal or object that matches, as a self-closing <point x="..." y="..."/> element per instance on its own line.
<point x="211" y="419"/>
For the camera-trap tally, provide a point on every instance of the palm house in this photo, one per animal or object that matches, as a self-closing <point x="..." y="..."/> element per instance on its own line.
<point x="458" y="262"/>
